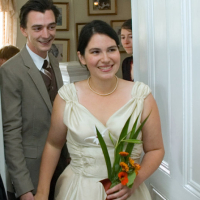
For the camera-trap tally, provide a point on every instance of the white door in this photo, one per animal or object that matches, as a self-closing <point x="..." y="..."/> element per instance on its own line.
<point x="2" y="158"/>
<point x="166" y="51"/>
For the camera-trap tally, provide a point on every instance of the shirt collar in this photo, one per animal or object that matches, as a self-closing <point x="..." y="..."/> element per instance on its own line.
<point x="38" y="61"/>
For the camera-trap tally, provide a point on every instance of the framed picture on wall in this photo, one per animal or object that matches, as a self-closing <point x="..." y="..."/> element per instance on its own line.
<point x="79" y="26"/>
<point x="60" y="49"/>
<point x="102" y="7"/>
<point x="116" y="25"/>
<point x="63" y="18"/>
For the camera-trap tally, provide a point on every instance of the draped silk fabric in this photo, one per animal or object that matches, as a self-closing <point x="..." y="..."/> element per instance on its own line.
<point x="9" y="21"/>
<point x="80" y="180"/>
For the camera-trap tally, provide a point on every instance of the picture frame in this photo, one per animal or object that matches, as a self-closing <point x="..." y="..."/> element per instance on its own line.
<point x="102" y="7"/>
<point x="61" y="49"/>
<point x="116" y="25"/>
<point x="63" y="18"/>
<point x="79" y="26"/>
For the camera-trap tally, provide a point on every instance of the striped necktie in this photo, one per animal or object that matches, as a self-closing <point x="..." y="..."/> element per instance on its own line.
<point x="46" y="68"/>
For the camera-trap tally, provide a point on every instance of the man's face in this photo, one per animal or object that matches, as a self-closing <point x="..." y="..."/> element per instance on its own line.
<point x="40" y="31"/>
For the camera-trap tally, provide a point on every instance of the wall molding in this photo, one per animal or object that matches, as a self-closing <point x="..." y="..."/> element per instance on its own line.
<point x="155" y="193"/>
<point x="189" y="183"/>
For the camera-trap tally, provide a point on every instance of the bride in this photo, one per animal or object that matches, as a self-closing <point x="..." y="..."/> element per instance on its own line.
<point x="104" y="101"/>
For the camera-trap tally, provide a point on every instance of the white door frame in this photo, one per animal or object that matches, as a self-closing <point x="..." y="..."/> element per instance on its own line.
<point x="2" y="157"/>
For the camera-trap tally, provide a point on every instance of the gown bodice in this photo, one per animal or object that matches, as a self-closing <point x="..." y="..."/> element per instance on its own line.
<point x="87" y="160"/>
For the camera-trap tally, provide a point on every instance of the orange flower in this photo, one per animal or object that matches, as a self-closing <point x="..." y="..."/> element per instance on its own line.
<point x="131" y="161"/>
<point x="124" y="166"/>
<point x="137" y="168"/>
<point x="123" y="177"/>
<point x="123" y="153"/>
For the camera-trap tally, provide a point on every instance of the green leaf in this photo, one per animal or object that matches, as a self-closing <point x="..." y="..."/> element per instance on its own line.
<point x="134" y="134"/>
<point x="129" y="147"/>
<point x="111" y="139"/>
<point x="133" y="141"/>
<point x="131" y="178"/>
<point x="114" y="183"/>
<point x="124" y="131"/>
<point x="105" y="153"/>
<point x="116" y="169"/>
<point x="120" y="145"/>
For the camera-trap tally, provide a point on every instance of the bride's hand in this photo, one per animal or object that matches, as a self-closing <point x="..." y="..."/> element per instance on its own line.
<point x="120" y="192"/>
<point x="40" y="196"/>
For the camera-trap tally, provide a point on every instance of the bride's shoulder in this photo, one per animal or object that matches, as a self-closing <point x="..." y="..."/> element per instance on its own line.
<point x="126" y="84"/>
<point x="80" y="85"/>
<point x="137" y="88"/>
<point x="140" y="89"/>
<point x="67" y="91"/>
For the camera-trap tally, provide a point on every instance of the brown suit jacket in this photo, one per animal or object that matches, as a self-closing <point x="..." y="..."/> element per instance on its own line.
<point x="2" y="190"/>
<point x="26" y="111"/>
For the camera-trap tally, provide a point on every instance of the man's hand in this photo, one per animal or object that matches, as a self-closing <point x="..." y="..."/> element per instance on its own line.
<point x="27" y="196"/>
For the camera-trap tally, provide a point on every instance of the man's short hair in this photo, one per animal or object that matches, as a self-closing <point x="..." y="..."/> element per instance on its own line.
<point x="38" y="6"/>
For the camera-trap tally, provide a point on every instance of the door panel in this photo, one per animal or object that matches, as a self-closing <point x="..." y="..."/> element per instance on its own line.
<point x="166" y="51"/>
<point x="2" y="158"/>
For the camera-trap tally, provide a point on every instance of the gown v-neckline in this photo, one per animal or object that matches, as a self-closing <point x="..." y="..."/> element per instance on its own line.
<point x="106" y="125"/>
<point x="80" y="180"/>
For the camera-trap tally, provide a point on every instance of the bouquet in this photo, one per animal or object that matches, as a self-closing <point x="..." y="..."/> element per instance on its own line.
<point x="124" y="169"/>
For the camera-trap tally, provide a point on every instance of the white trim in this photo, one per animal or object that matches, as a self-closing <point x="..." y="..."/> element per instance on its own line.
<point x="156" y="192"/>
<point x="2" y="158"/>
<point x="189" y="184"/>
<point x="165" y="167"/>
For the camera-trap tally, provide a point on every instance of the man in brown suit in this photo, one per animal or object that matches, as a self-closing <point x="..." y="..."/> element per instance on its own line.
<point x="2" y="190"/>
<point x="29" y="82"/>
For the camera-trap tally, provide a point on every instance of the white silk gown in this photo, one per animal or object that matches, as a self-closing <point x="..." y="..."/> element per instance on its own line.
<point x="80" y="180"/>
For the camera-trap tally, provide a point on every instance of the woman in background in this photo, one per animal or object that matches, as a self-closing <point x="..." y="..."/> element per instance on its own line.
<point x="126" y="40"/>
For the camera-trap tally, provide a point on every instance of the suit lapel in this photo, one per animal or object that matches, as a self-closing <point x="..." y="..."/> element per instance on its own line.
<point x="35" y="75"/>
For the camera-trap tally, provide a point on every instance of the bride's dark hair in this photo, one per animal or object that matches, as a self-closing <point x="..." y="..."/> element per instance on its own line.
<point x="96" y="26"/>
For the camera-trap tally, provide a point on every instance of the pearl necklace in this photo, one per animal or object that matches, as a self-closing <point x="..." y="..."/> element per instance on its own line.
<point x="88" y="81"/>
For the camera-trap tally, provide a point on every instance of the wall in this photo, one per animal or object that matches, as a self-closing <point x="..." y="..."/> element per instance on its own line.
<point x="78" y="14"/>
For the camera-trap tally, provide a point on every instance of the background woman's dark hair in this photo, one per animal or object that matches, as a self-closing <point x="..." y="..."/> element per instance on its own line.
<point x="39" y="6"/>
<point x="96" y="26"/>
<point x="127" y="24"/>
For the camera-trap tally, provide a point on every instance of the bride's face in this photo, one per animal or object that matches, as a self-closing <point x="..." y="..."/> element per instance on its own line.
<point x="102" y="56"/>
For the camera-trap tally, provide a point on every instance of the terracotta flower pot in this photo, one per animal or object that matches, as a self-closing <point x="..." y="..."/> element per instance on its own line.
<point x="106" y="184"/>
